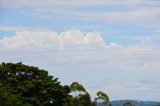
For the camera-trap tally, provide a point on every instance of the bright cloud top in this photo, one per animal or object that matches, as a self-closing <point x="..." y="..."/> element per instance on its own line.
<point x="72" y="39"/>
<point x="68" y="40"/>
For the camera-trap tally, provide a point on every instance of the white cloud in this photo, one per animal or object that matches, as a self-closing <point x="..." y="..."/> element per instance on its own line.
<point x="72" y="39"/>
<point x="75" y="47"/>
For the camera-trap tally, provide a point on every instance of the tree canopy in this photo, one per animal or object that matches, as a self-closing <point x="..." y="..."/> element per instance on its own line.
<point x="30" y="85"/>
<point x="76" y="87"/>
<point x="102" y="99"/>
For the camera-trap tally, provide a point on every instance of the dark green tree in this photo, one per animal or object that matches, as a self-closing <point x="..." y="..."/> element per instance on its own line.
<point x="30" y="85"/>
<point x="85" y="99"/>
<point x="9" y="99"/>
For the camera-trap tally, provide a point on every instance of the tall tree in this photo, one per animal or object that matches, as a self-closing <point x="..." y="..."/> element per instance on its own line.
<point x="33" y="85"/>
<point x="77" y="88"/>
<point x="81" y="97"/>
<point x="102" y="99"/>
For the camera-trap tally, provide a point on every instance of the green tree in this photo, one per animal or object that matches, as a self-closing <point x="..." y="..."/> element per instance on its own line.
<point x="85" y="99"/>
<point x="9" y="99"/>
<point x="103" y="96"/>
<point x="102" y="99"/>
<point x="77" y="88"/>
<point x="81" y="97"/>
<point x="30" y="85"/>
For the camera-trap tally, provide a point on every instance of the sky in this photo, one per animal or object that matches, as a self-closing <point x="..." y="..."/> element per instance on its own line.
<point x="105" y="45"/>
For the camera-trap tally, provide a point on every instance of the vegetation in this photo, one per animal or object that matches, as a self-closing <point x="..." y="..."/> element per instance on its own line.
<point x="30" y="86"/>
<point x="23" y="85"/>
<point x="102" y="99"/>
<point x="76" y="87"/>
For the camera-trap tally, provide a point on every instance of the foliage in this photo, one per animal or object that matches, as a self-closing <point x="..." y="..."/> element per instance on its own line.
<point x="81" y="97"/>
<point x="102" y="99"/>
<point x="85" y="99"/>
<point x="76" y="87"/>
<point x="103" y="96"/>
<point x="29" y="85"/>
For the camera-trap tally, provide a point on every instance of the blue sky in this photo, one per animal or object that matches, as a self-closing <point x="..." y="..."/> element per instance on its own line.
<point x="106" y="45"/>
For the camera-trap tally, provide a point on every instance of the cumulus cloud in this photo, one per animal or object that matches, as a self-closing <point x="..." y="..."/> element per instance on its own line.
<point x="79" y="48"/>
<point x="72" y="39"/>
